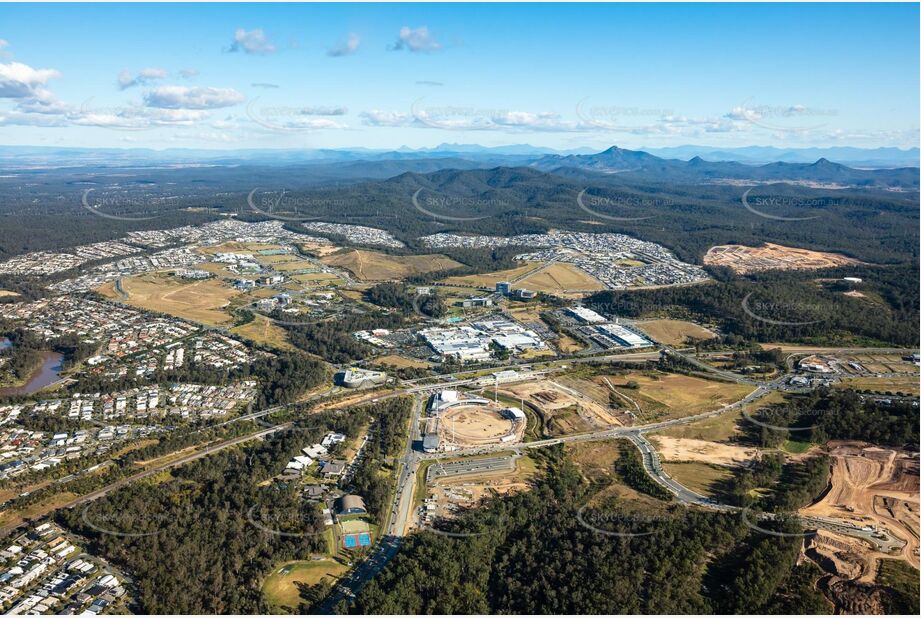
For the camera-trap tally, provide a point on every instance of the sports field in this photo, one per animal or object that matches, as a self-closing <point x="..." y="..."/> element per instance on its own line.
<point x="375" y="266"/>
<point x="198" y="301"/>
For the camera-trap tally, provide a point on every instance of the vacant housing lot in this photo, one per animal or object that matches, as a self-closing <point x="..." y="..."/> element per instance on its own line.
<point x="769" y="256"/>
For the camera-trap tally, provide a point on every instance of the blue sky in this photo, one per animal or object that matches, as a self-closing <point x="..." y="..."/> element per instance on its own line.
<point x="384" y="76"/>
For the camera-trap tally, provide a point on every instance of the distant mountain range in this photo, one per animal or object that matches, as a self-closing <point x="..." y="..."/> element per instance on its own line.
<point x="515" y="154"/>
<point x="336" y="166"/>
<point x="853" y="157"/>
<point x="638" y="164"/>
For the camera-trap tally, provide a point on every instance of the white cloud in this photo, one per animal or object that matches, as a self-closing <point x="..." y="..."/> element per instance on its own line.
<point x="188" y="73"/>
<point x="416" y="40"/>
<point x="345" y="48"/>
<point x="137" y="117"/>
<point x="265" y="85"/>
<point x="301" y="123"/>
<point x="324" y="111"/>
<point x="20" y="81"/>
<point x="47" y="105"/>
<point x="4" y="43"/>
<point x="548" y="121"/>
<point x="15" y="117"/>
<point x="251" y="42"/>
<point x="144" y="76"/>
<point x="380" y="118"/>
<point x="181" y="97"/>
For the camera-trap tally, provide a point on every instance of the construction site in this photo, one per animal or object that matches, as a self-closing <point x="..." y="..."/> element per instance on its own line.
<point x="877" y="489"/>
<point x="478" y="424"/>
<point x="565" y="410"/>
<point x="769" y="256"/>
<point x="453" y="487"/>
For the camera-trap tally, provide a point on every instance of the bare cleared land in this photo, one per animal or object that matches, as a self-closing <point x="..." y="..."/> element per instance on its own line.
<point x="565" y="406"/>
<point x="661" y="396"/>
<point x="674" y="332"/>
<point x="248" y="248"/>
<point x="199" y="301"/>
<point x="698" y="476"/>
<point x="264" y="331"/>
<point x="489" y="280"/>
<point x="769" y="256"/>
<point x="689" y="449"/>
<point x="453" y="495"/>
<point x="395" y="360"/>
<point x="873" y="486"/>
<point x="906" y="384"/>
<point x="561" y="280"/>
<point x="475" y="425"/>
<point x="375" y="266"/>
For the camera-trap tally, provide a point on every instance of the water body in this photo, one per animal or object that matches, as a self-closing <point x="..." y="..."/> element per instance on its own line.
<point x="48" y="373"/>
<point x="5" y="343"/>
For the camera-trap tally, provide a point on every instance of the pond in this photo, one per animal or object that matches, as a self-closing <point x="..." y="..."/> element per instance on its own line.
<point x="48" y="373"/>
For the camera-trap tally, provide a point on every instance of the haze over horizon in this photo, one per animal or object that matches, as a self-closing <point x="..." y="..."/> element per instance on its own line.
<point x="417" y="76"/>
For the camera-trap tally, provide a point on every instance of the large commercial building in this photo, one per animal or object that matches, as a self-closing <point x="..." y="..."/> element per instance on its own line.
<point x="472" y="343"/>
<point x="443" y="400"/>
<point x="431" y="442"/>
<point x="586" y="315"/>
<point x="351" y="504"/>
<point x="462" y="343"/>
<point x="625" y="337"/>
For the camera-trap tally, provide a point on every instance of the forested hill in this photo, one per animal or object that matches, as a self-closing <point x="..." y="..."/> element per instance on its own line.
<point x="685" y="214"/>
<point x="535" y="557"/>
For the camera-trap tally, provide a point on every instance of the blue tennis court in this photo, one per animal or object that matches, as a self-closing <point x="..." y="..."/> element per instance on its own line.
<point x="350" y="540"/>
<point x="364" y="539"/>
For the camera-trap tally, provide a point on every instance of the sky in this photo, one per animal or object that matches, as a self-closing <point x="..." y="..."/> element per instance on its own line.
<point x="564" y="76"/>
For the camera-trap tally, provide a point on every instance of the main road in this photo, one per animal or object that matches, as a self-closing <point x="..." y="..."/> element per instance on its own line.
<point x="395" y="522"/>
